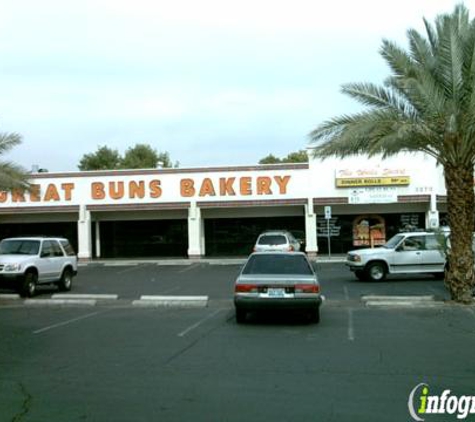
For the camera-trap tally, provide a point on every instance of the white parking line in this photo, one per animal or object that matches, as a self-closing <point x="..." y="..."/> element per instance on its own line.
<point x="132" y="269"/>
<point x="69" y="321"/>
<point x="197" y="324"/>
<point x="351" y="329"/>
<point x="189" y="268"/>
<point x="345" y="291"/>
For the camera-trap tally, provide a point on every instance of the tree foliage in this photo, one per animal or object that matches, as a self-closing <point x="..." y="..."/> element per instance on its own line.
<point x="427" y="104"/>
<point x="12" y="176"/>
<point x="293" y="157"/>
<point x="104" y="158"/>
<point x="140" y="156"/>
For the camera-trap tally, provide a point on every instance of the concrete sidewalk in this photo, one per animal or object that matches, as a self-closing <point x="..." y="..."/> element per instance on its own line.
<point x="186" y="261"/>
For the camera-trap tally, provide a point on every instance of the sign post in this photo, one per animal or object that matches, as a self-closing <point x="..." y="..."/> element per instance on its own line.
<point x="328" y="216"/>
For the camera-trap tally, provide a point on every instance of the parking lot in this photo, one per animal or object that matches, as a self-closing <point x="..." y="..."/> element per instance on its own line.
<point x="118" y="362"/>
<point x="131" y="280"/>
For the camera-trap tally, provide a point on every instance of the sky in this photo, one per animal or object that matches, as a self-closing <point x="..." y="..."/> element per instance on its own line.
<point x="211" y="82"/>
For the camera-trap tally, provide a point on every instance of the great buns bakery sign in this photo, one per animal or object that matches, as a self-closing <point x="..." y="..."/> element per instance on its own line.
<point x="148" y="189"/>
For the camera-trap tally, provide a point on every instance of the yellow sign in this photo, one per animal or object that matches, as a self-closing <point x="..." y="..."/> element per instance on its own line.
<point x="372" y="181"/>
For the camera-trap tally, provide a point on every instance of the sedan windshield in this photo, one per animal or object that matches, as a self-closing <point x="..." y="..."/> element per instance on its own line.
<point x="277" y="264"/>
<point x="19" y="247"/>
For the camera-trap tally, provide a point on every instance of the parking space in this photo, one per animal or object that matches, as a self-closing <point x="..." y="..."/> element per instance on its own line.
<point x="116" y="361"/>
<point x="130" y="281"/>
<point x="126" y="363"/>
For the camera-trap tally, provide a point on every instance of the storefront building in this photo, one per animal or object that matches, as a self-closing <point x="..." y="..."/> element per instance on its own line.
<point x="332" y="205"/>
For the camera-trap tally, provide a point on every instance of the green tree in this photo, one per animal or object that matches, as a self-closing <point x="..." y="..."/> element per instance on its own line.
<point x="426" y="105"/>
<point x="293" y="157"/>
<point x="296" y="157"/>
<point x="12" y="176"/>
<point x="144" y="156"/>
<point x="138" y="157"/>
<point x="104" y="158"/>
<point x="270" y="159"/>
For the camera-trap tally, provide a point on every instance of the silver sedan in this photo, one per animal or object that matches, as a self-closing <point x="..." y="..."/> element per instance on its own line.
<point x="277" y="280"/>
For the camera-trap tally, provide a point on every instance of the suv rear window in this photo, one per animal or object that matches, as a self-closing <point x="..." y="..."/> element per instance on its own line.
<point x="67" y="247"/>
<point x="272" y="239"/>
<point x="277" y="264"/>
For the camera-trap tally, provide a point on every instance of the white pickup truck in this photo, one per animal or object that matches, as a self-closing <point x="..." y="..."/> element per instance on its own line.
<point x="413" y="252"/>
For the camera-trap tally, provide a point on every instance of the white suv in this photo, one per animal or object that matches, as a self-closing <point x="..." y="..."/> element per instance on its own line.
<point x="277" y="241"/>
<point x="414" y="252"/>
<point x="28" y="261"/>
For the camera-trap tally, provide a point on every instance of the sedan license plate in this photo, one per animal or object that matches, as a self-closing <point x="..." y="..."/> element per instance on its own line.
<point x="276" y="292"/>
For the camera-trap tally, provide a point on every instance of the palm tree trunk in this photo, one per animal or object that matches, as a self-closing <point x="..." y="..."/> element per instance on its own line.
<point x="459" y="278"/>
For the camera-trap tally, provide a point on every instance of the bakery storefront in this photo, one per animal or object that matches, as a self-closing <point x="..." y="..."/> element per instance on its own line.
<point x="333" y="206"/>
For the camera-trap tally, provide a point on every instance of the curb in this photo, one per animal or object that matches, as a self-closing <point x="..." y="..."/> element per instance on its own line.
<point x="56" y="302"/>
<point x="186" y="262"/>
<point x="68" y="296"/>
<point x="372" y="301"/>
<point x="403" y="304"/>
<point x="172" y="301"/>
<point x="426" y="298"/>
<point x="9" y="296"/>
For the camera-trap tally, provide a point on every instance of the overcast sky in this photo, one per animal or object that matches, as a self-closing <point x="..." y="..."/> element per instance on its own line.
<point x="212" y="82"/>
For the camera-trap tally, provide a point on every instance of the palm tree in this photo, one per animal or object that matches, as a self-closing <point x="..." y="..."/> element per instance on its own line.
<point x="12" y="176"/>
<point x="426" y="105"/>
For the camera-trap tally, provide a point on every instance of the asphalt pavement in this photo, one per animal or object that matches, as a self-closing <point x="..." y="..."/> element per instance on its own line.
<point x="128" y="281"/>
<point x="114" y="361"/>
<point x="161" y="364"/>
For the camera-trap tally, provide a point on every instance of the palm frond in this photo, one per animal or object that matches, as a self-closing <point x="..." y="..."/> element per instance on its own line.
<point x="397" y="59"/>
<point x="420" y="49"/>
<point x="9" y="141"/>
<point x="13" y="176"/>
<point x="426" y="104"/>
<point x="432" y="37"/>
<point x="379" y="97"/>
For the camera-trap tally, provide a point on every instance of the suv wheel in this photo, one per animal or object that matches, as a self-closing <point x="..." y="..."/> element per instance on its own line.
<point x="376" y="271"/>
<point x="28" y="288"/>
<point x="66" y="280"/>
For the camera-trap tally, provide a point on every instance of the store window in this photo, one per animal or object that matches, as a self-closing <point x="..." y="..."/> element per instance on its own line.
<point x="369" y="230"/>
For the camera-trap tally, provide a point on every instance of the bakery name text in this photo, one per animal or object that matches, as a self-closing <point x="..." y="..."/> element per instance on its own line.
<point x="153" y="189"/>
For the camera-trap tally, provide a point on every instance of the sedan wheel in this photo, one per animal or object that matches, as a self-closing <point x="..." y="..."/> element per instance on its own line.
<point x="240" y="316"/>
<point x="314" y="315"/>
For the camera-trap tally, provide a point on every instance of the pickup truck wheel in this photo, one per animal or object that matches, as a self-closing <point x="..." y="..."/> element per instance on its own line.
<point x="376" y="271"/>
<point x="66" y="280"/>
<point x="28" y="289"/>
